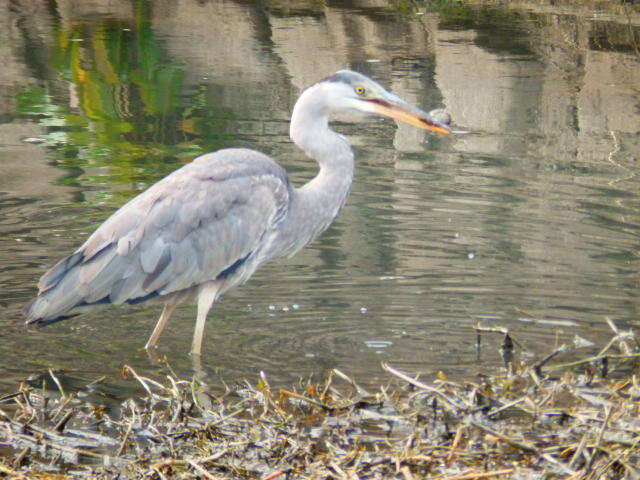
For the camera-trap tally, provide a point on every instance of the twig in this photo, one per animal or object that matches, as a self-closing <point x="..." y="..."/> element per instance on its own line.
<point x="579" y="450"/>
<point x="11" y="396"/>
<point x="175" y="461"/>
<point x="508" y="405"/>
<point x="96" y="382"/>
<point x="57" y="382"/>
<point x="337" y="468"/>
<point x="534" y="376"/>
<point x="619" y="456"/>
<point x="348" y="379"/>
<point x="482" y="328"/>
<point x="158" y="472"/>
<point x="64" y="448"/>
<point x="18" y="461"/>
<point x="603" y="427"/>
<point x="620" y="336"/>
<point x="62" y="406"/>
<point x="226" y="417"/>
<point x="511" y="441"/>
<point x="63" y="421"/>
<point x="476" y="475"/>
<point x="454" y="445"/>
<point x="406" y="473"/>
<point x="593" y="359"/>
<point x="576" y="475"/>
<point x="9" y="471"/>
<point x="276" y="474"/>
<point x="503" y="330"/>
<point x="202" y="470"/>
<point x="537" y="367"/>
<point x="416" y="383"/>
<point x="124" y="439"/>
<point x="307" y="400"/>
<point x="566" y="469"/>
<point x="143" y="380"/>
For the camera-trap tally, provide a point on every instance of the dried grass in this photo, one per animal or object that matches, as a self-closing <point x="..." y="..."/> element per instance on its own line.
<point x="578" y="420"/>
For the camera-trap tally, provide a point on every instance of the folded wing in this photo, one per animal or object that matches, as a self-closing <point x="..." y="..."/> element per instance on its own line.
<point x="202" y="222"/>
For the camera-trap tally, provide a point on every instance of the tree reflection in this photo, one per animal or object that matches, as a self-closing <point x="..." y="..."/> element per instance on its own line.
<point x="116" y="104"/>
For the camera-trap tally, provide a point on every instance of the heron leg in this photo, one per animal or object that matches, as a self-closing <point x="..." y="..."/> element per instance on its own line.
<point x="162" y="321"/>
<point x="206" y="297"/>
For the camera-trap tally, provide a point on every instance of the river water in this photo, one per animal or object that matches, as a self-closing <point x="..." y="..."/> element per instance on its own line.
<point x="530" y="222"/>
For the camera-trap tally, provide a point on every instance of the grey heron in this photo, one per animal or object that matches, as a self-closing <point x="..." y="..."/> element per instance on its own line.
<point x="208" y="226"/>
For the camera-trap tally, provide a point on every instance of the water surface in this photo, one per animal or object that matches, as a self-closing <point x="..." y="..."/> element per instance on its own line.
<point x="531" y="221"/>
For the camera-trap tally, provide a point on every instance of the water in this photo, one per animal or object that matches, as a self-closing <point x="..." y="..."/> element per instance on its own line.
<point x="531" y="221"/>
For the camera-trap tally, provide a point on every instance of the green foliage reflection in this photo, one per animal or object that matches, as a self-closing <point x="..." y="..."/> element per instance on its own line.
<point x="118" y="106"/>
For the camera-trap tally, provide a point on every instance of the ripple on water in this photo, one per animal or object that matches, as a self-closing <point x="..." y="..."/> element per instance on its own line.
<point x="506" y="226"/>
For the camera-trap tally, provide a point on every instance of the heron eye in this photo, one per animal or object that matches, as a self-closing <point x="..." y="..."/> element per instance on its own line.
<point x="360" y="91"/>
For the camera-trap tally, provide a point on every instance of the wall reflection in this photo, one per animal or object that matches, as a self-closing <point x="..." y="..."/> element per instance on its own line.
<point x="536" y="210"/>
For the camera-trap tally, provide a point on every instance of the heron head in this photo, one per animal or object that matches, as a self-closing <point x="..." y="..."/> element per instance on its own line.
<point x="348" y="90"/>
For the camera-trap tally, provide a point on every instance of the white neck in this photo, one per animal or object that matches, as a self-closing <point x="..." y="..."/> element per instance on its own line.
<point x="316" y="204"/>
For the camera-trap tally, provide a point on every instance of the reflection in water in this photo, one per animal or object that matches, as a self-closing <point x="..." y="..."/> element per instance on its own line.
<point x="123" y="106"/>
<point x="531" y="218"/>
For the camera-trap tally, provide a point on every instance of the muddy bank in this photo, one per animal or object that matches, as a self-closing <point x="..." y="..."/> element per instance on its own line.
<point x="562" y="416"/>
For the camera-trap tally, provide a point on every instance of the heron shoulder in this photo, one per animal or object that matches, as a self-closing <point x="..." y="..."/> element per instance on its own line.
<point x="200" y="222"/>
<point x="236" y="162"/>
<point x="207" y="185"/>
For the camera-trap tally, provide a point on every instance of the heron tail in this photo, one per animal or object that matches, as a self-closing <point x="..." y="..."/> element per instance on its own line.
<point x="29" y="311"/>
<point x="60" y="295"/>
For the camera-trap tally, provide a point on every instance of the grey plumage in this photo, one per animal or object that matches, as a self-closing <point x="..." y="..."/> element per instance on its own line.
<point x="209" y="225"/>
<point x="222" y="204"/>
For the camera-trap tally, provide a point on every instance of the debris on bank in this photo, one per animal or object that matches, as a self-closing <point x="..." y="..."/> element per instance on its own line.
<point x="544" y="419"/>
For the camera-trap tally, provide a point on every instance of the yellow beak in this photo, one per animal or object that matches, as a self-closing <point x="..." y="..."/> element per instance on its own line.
<point x="397" y="108"/>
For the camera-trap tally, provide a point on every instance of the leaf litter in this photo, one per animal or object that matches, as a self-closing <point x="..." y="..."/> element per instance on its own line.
<point x="535" y="419"/>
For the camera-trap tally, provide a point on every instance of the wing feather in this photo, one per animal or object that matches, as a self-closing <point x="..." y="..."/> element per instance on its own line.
<point x="188" y="228"/>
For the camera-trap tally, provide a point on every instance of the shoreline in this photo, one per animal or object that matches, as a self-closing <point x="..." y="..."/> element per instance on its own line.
<point x="569" y="420"/>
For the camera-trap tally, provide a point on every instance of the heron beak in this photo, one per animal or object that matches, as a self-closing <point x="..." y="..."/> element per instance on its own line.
<point x="395" y="107"/>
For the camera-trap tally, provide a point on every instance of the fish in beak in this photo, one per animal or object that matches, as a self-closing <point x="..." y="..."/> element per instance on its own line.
<point x="392" y="106"/>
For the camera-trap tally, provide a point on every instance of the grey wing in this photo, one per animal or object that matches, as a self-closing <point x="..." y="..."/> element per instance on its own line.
<point x="195" y="225"/>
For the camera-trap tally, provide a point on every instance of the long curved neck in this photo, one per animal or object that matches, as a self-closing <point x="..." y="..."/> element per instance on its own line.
<point x="316" y="204"/>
